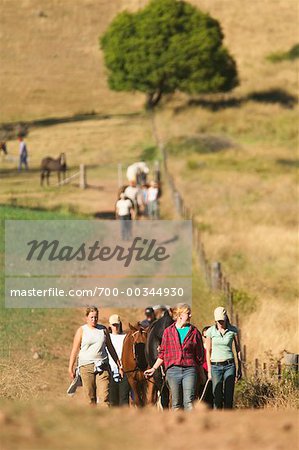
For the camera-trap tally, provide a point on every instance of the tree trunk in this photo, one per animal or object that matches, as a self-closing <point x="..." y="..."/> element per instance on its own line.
<point x="153" y="99"/>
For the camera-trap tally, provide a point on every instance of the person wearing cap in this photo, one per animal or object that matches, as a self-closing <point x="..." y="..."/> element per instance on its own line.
<point x="220" y="359"/>
<point x="149" y="317"/>
<point x="119" y="388"/>
<point x="181" y="353"/>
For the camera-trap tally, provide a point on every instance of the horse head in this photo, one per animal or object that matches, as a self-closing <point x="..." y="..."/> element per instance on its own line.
<point x="137" y="337"/>
<point x="62" y="158"/>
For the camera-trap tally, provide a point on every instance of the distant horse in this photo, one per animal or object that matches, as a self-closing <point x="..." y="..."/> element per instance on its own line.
<point x="3" y="147"/>
<point x="49" y="165"/>
<point x="153" y="342"/>
<point x="134" y="364"/>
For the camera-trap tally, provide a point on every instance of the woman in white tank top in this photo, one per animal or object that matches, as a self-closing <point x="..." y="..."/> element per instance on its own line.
<point x="91" y="341"/>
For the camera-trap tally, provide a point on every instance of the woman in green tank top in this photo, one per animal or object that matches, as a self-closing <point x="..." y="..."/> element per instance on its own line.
<point x="220" y="359"/>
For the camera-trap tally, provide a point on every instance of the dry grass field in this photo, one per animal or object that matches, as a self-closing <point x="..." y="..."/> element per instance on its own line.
<point x="98" y="143"/>
<point x="243" y="193"/>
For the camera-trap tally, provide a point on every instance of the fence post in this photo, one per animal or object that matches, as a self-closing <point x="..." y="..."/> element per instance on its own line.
<point x="157" y="172"/>
<point x="256" y="365"/>
<point x="120" y="175"/>
<point x="230" y="303"/>
<point x="216" y="275"/>
<point x="244" y="360"/>
<point x="82" y="179"/>
<point x="179" y="205"/>
<point x="279" y="370"/>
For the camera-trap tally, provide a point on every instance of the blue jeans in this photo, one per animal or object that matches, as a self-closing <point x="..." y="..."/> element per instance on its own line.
<point x="126" y="227"/>
<point x="182" y="384"/>
<point x="153" y="209"/>
<point x="223" y="380"/>
<point x="23" y="160"/>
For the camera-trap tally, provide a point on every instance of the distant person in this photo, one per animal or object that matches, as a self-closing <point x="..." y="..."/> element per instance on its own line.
<point x="159" y="311"/>
<point x="152" y="201"/>
<point x="149" y="317"/>
<point x="92" y="341"/>
<point x="220" y="359"/>
<point x="119" y="388"/>
<point x="3" y="147"/>
<point x="144" y="189"/>
<point x="123" y="211"/>
<point x="131" y="192"/>
<point x="23" y="154"/>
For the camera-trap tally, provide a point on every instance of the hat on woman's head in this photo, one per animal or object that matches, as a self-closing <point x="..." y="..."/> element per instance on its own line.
<point x="220" y="313"/>
<point x="114" y="319"/>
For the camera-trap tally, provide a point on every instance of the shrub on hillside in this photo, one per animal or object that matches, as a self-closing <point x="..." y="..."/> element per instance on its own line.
<point x="289" y="55"/>
<point x="259" y="392"/>
<point x="202" y="144"/>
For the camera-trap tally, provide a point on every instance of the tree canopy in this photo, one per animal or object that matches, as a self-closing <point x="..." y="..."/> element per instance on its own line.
<point x="167" y="46"/>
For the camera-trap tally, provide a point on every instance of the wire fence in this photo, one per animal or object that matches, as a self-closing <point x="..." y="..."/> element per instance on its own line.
<point x="212" y="271"/>
<point x="217" y="281"/>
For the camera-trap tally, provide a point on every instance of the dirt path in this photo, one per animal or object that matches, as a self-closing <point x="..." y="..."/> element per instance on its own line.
<point x="68" y="426"/>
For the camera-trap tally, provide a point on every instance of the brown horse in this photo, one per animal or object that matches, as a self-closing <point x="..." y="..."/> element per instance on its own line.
<point x="49" y="165"/>
<point x="134" y="364"/>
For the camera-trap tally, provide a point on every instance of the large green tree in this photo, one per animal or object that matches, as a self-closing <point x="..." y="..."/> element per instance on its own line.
<point x="168" y="46"/>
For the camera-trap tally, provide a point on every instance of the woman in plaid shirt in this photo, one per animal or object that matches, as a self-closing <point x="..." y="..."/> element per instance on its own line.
<point x="181" y="352"/>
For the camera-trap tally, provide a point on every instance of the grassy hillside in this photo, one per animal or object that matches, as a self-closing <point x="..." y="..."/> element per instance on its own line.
<point x="51" y="64"/>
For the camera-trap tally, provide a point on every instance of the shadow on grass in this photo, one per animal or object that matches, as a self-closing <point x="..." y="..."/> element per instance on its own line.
<point x="13" y="172"/>
<point x="105" y="215"/>
<point x="270" y="96"/>
<point x="56" y="211"/>
<point x="274" y="96"/>
<point x="11" y="130"/>
<point x="293" y="163"/>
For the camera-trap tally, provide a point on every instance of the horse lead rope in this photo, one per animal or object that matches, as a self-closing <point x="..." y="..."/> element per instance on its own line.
<point x="204" y="390"/>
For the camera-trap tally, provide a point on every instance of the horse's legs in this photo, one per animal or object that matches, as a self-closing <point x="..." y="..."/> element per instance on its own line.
<point x="48" y="176"/>
<point x="136" y="392"/>
<point x="151" y="393"/>
<point x="58" y="176"/>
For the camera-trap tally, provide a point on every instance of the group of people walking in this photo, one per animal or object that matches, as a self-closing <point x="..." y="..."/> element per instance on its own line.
<point x="184" y="354"/>
<point x="135" y="201"/>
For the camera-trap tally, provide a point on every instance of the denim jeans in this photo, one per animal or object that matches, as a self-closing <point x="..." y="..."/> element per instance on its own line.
<point x="153" y="209"/>
<point x="119" y="392"/>
<point x="223" y="380"/>
<point x="182" y="384"/>
<point x="126" y="227"/>
<point x="23" y="160"/>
